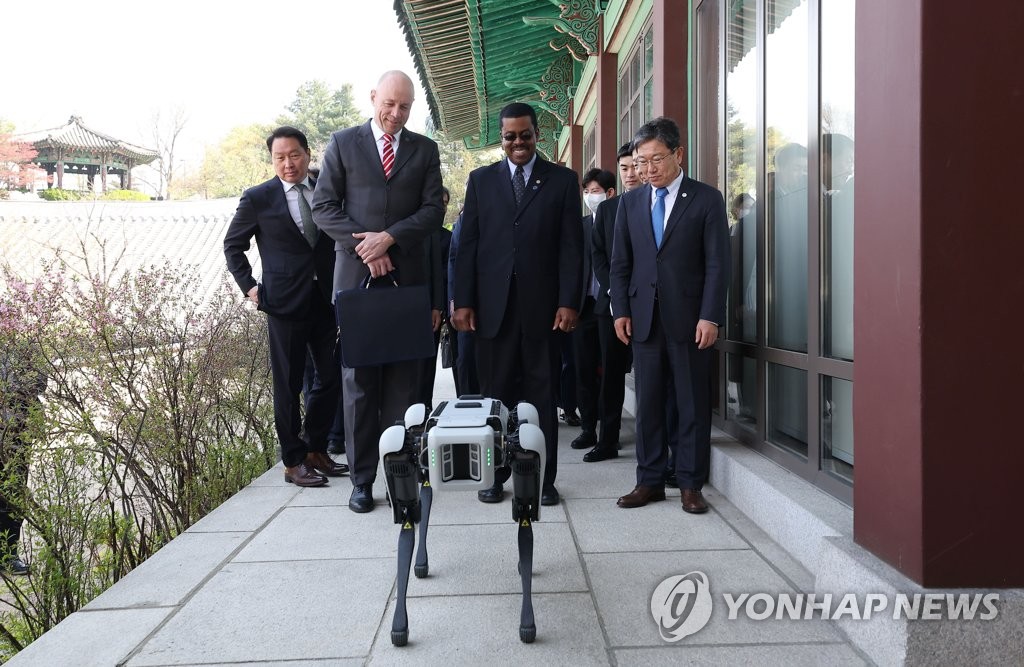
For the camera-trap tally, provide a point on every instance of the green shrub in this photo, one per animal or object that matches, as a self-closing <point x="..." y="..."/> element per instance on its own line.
<point x="125" y="195"/>
<point x="57" y="194"/>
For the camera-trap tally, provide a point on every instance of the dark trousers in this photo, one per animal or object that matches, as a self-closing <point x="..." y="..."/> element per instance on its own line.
<point x="467" y="380"/>
<point x="376" y="397"/>
<point x="290" y="342"/>
<point x="615" y="362"/>
<point x="516" y="367"/>
<point x="337" y="431"/>
<point x="658" y="362"/>
<point x="567" y="373"/>
<point x="586" y="348"/>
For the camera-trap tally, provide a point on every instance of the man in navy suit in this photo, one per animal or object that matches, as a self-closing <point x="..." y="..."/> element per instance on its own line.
<point x="379" y="197"/>
<point x="295" y="293"/>
<point x="669" y="273"/>
<point x="518" y="272"/>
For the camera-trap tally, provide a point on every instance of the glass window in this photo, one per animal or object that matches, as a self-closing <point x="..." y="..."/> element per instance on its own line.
<point x="589" y="149"/>
<point x="786" y="63"/>
<point x="636" y="87"/>
<point x="837" y="162"/>
<point x="741" y="171"/>
<point x="837" y="427"/>
<point x="787" y="408"/>
<point x="741" y="390"/>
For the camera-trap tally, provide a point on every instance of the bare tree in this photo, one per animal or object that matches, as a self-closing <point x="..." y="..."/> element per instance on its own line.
<point x="167" y="127"/>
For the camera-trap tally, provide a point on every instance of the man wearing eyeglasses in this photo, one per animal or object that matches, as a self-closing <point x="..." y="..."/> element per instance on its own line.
<point x="518" y="276"/>
<point x="669" y="272"/>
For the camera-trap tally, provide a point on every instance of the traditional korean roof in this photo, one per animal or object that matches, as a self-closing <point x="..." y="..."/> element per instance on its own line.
<point x="77" y="136"/>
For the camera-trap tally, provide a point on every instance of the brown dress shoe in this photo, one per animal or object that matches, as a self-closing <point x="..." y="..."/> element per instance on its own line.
<point x="325" y="465"/>
<point x="693" y="501"/>
<point x="640" y="496"/>
<point x="303" y="475"/>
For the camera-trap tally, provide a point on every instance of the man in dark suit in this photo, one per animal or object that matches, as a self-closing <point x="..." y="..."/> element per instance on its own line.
<point x="466" y="378"/>
<point x="379" y="198"/>
<point x="518" y="274"/>
<point x="437" y="260"/>
<point x="669" y="273"/>
<point x="298" y="263"/>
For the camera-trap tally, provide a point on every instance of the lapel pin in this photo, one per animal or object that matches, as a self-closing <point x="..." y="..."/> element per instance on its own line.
<point x="683" y="195"/>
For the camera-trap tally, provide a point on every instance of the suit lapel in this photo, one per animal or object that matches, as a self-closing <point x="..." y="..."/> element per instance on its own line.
<point x="683" y="198"/>
<point x="644" y="201"/>
<point x="406" y="148"/>
<point x="369" y="147"/>
<point x="503" y="185"/>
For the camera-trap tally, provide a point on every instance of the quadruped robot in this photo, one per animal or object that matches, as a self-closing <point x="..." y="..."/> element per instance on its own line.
<point x="462" y="445"/>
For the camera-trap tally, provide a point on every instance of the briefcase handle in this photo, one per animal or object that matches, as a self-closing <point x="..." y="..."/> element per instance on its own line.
<point x="369" y="280"/>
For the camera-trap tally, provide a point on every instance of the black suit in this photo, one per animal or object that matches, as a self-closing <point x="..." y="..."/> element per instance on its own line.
<point x="352" y="195"/>
<point x="615" y="356"/>
<point x="295" y="293"/>
<point x="586" y="342"/>
<point x="516" y="266"/>
<point x="666" y="291"/>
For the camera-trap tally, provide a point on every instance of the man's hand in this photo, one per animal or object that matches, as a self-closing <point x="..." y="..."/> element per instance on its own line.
<point x="565" y="319"/>
<point x="254" y="294"/>
<point x="435" y="319"/>
<point x="707" y="334"/>
<point x="464" y="319"/>
<point x="380" y="267"/>
<point x="624" y="329"/>
<point x="373" y="245"/>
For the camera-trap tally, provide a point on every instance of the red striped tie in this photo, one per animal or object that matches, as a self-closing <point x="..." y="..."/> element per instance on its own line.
<point x="389" y="155"/>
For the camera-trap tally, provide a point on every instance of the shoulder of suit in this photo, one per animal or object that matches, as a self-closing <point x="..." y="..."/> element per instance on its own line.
<point x="264" y="187"/>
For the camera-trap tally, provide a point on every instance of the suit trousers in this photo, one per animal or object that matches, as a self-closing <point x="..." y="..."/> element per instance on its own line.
<point x="467" y="381"/>
<point x="376" y="397"/>
<point x="659" y="362"/>
<point x="290" y="341"/>
<point x="586" y="347"/>
<point x="615" y="361"/>
<point x="514" y="366"/>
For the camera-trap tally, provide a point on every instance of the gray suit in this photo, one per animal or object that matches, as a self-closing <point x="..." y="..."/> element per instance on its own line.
<point x="353" y="196"/>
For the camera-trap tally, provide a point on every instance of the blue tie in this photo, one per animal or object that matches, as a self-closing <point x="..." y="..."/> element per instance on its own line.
<point x="658" y="215"/>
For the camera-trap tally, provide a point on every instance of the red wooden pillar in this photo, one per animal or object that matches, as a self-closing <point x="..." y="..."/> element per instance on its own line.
<point x="670" y="62"/>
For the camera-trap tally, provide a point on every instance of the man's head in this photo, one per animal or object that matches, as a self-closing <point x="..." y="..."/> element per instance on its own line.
<point x="445" y="196"/>
<point x="598" y="185"/>
<point x="627" y="170"/>
<point x="518" y="132"/>
<point x="392" y="100"/>
<point x="791" y="167"/>
<point x="658" y="153"/>
<point x="289" y="152"/>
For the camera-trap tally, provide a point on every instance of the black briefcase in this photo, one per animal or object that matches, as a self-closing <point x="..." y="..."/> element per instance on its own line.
<point x="382" y="323"/>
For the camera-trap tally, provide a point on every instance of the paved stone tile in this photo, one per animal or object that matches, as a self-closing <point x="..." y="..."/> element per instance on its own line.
<point x="484" y="629"/>
<point x="482" y="559"/>
<point x="272" y="477"/>
<point x="170" y="574"/>
<point x="605" y="479"/>
<point x="80" y="639"/>
<point x="785" y="655"/>
<point x="322" y="533"/>
<point x="247" y="510"/>
<point x="463" y="508"/>
<point x="623" y="584"/>
<point x="250" y="612"/>
<point x="601" y="526"/>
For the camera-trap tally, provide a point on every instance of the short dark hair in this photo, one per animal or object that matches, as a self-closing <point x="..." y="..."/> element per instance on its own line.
<point x="289" y="132"/>
<point x="518" y="110"/>
<point x="660" y="129"/>
<point x="602" y="177"/>
<point x="625" y="150"/>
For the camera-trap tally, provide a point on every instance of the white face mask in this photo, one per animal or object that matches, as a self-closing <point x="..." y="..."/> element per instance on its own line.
<point x="592" y="200"/>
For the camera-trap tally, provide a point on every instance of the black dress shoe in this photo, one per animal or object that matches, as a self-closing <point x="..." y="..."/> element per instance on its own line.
<point x="336" y="447"/>
<point x="14" y="565"/>
<point x="584" y="440"/>
<point x="549" y="495"/>
<point x="670" y="479"/>
<point x="569" y="417"/>
<point x="600" y="453"/>
<point x="361" y="499"/>
<point x="495" y="494"/>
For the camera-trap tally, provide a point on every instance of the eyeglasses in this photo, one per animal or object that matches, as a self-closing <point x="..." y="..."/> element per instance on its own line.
<point x="656" y="160"/>
<point x="523" y="136"/>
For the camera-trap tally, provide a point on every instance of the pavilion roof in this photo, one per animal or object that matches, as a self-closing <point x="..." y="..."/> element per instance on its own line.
<point x="77" y="136"/>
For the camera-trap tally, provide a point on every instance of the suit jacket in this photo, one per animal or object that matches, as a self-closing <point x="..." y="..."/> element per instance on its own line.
<point x="353" y="196"/>
<point x="540" y="242"/>
<point x="587" y="225"/>
<point x="289" y="263"/>
<point x="602" y="239"/>
<point x="687" y="277"/>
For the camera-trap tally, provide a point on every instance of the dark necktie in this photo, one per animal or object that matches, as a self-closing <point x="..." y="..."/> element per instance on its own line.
<point x="308" y="228"/>
<point x="518" y="184"/>
<point x="658" y="215"/>
<point x="388" y="157"/>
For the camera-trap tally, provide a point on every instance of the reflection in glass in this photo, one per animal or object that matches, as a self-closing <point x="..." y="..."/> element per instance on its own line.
<point x="741" y="170"/>
<point x="837" y="162"/>
<point x="837" y="427"/>
<point x="787" y="408"/>
<point x="786" y="66"/>
<point x="648" y="78"/>
<point x="708" y="132"/>
<point x="741" y="390"/>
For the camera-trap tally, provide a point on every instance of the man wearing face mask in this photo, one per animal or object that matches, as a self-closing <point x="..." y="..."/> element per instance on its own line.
<point x="598" y="185"/>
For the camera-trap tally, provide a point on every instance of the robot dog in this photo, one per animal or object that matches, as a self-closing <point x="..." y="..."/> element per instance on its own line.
<point x="460" y="446"/>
